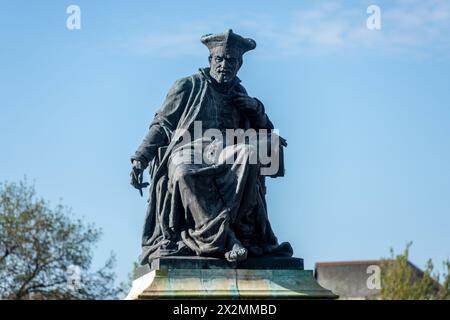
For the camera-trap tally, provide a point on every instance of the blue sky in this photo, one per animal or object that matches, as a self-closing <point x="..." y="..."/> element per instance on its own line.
<point x="366" y="113"/>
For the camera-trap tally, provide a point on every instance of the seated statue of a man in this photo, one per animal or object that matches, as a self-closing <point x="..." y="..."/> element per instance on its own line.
<point x="207" y="196"/>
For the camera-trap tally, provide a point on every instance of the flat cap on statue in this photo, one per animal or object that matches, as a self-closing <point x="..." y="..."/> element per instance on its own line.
<point x="229" y="40"/>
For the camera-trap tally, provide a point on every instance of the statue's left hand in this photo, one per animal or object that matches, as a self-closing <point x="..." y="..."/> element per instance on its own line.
<point x="247" y="104"/>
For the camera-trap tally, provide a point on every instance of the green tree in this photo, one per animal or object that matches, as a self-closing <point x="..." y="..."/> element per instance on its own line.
<point x="402" y="281"/>
<point x="45" y="253"/>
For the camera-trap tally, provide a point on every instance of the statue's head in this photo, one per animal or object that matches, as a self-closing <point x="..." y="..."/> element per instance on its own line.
<point x="225" y="54"/>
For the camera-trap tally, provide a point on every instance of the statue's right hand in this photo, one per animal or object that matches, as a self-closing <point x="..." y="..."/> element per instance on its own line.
<point x="137" y="176"/>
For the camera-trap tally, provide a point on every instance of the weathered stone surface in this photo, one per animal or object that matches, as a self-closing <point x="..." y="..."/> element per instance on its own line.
<point x="228" y="284"/>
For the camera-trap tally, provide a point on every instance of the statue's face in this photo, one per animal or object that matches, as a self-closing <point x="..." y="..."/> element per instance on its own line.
<point x="224" y="65"/>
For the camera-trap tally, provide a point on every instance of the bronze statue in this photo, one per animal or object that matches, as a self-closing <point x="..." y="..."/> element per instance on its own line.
<point x="207" y="196"/>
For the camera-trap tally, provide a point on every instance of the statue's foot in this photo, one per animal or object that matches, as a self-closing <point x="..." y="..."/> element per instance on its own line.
<point x="236" y="254"/>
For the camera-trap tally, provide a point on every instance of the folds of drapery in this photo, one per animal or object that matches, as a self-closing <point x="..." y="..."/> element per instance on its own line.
<point x="167" y="220"/>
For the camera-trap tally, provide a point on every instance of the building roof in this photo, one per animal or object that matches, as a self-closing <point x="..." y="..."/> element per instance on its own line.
<point x="347" y="263"/>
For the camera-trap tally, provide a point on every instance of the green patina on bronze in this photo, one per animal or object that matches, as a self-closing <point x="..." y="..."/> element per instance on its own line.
<point x="234" y="284"/>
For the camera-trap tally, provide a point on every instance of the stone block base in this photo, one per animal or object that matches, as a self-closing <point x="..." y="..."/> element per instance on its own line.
<point x="228" y="284"/>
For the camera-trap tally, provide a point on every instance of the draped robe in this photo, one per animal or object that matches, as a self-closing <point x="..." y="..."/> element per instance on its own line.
<point x="200" y="209"/>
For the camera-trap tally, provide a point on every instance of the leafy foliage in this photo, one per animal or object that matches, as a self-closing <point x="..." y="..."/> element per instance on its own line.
<point x="402" y="281"/>
<point x="42" y="249"/>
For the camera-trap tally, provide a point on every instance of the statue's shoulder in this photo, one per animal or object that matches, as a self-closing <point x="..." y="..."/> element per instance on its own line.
<point x="189" y="81"/>
<point x="181" y="85"/>
<point x="183" y="82"/>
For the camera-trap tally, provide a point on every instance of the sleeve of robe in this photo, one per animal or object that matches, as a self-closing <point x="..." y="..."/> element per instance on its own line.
<point x="260" y="120"/>
<point x="165" y="121"/>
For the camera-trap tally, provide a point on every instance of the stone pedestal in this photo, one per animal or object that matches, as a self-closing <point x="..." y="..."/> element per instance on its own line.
<point x="209" y="278"/>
